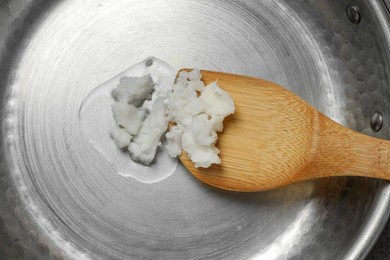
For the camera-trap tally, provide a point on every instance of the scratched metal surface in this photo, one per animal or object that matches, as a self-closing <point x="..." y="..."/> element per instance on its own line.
<point x="59" y="199"/>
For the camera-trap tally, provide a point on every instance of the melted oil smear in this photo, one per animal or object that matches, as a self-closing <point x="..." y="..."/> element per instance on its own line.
<point x="96" y="121"/>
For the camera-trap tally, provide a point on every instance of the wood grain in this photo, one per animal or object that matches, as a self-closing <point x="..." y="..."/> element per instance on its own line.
<point x="275" y="139"/>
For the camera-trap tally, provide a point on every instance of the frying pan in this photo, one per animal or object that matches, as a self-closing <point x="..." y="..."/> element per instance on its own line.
<point x="60" y="198"/>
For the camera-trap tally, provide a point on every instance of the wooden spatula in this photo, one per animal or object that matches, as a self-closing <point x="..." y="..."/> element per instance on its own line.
<point x="275" y="139"/>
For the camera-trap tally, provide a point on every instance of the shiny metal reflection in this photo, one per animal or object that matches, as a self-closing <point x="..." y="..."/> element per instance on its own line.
<point x="353" y="14"/>
<point x="376" y="121"/>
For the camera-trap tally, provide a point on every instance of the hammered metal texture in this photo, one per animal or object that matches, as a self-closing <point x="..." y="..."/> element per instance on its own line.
<point x="59" y="199"/>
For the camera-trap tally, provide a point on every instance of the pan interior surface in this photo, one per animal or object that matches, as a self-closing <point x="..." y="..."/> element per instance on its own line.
<point x="60" y="198"/>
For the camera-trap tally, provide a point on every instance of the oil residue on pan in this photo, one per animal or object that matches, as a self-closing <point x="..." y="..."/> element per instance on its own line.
<point x="96" y="122"/>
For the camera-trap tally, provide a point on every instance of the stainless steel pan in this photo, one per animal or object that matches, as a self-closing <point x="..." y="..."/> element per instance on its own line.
<point x="60" y="199"/>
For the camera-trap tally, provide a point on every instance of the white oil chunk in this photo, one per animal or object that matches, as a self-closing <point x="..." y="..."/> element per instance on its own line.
<point x="105" y="135"/>
<point x="134" y="90"/>
<point x="198" y="112"/>
<point x="201" y="155"/>
<point x="125" y="120"/>
<point x="174" y="145"/>
<point x="120" y="136"/>
<point x="202" y="128"/>
<point x="216" y="101"/>
<point x="144" y="145"/>
<point x="128" y="116"/>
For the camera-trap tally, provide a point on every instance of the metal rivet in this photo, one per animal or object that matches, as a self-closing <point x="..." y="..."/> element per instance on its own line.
<point x="353" y="14"/>
<point x="149" y="62"/>
<point x="376" y="121"/>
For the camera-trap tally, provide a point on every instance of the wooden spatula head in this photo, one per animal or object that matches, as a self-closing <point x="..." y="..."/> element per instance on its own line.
<point x="265" y="143"/>
<point x="275" y="138"/>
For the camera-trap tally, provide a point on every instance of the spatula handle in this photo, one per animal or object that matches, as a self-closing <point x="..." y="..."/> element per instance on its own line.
<point x="340" y="151"/>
